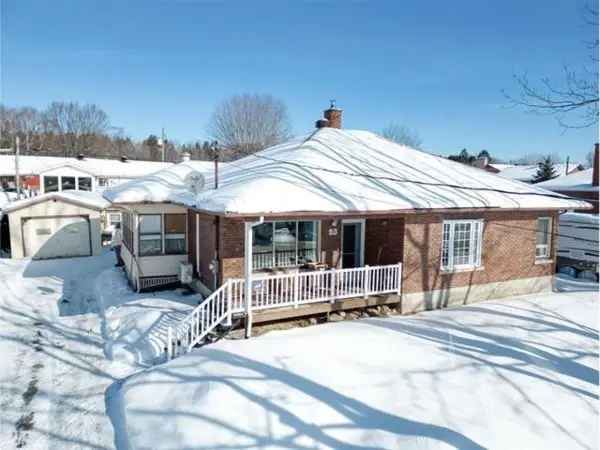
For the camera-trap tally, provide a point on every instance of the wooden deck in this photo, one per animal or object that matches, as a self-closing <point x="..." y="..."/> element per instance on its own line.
<point x="289" y="312"/>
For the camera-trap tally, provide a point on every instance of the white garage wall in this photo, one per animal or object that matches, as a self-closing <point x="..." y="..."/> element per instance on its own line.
<point x="52" y="208"/>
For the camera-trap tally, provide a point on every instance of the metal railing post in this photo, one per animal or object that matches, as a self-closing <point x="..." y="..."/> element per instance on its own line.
<point x="399" y="278"/>
<point x="366" y="280"/>
<point x="229" y="303"/>
<point x="333" y="285"/>
<point x="169" y="343"/>
<point x="296" y="289"/>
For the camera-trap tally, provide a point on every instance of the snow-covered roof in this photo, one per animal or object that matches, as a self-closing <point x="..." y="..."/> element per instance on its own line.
<point x="578" y="181"/>
<point x="527" y="172"/>
<point x="110" y="168"/>
<point x="167" y="185"/>
<point x="84" y="198"/>
<point x="501" y="166"/>
<point x="592" y="219"/>
<point x="335" y="170"/>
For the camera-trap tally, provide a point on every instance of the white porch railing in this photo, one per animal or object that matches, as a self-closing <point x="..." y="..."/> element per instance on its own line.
<point x="273" y="291"/>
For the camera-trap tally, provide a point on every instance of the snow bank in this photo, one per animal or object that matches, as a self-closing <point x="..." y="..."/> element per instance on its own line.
<point x="168" y="185"/>
<point x="135" y="325"/>
<point x="519" y="373"/>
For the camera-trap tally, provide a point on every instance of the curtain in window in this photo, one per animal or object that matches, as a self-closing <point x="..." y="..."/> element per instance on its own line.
<point x="175" y="225"/>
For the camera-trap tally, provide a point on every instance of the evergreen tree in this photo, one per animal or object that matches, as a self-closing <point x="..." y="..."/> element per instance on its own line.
<point x="545" y="171"/>
<point x="484" y="154"/>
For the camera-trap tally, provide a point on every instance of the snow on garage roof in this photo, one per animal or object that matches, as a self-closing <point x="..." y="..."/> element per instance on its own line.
<point x="335" y="170"/>
<point x="83" y="198"/>
<point x="577" y="181"/>
<point x="167" y="185"/>
<point x="110" y="168"/>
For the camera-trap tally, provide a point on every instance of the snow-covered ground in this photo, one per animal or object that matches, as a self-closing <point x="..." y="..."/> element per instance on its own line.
<point x="78" y="346"/>
<point x="511" y="374"/>
<point x="70" y="331"/>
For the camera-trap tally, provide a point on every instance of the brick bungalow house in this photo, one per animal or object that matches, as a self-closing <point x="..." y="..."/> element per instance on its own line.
<point x="345" y="218"/>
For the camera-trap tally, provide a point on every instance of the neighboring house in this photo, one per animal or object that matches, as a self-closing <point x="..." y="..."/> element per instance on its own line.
<point x="343" y="219"/>
<point x="44" y="174"/>
<point x="581" y="185"/>
<point x="526" y="173"/>
<point x="55" y="225"/>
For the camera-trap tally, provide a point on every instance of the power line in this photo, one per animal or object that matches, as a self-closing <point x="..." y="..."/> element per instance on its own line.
<point x="417" y="182"/>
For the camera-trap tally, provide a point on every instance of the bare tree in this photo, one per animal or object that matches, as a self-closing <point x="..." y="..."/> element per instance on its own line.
<point x="77" y="124"/>
<point x="246" y="123"/>
<point x="574" y="102"/>
<point x="402" y="135"/>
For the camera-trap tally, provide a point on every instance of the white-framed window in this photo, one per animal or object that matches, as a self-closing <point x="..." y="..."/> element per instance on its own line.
<point x="150" y="234"/>
<point x="284" y="244"/>
<point x="84" y="183"/>
<point x="114" y="218"/>
<point x="461" y="244"/>
<point x="162" y="234"/>
<point x="543" y="237"/>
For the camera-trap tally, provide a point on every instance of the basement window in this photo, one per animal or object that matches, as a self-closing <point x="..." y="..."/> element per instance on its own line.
<point x="542" y="237"/>
<point x="461" y="244"/>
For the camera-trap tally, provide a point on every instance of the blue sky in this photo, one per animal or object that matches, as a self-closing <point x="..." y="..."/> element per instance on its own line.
<point x="436" y="66"/>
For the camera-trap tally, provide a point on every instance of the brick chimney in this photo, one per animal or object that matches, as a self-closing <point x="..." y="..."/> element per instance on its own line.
<point x="596" y="169"/>
<point x="332" y="117"/>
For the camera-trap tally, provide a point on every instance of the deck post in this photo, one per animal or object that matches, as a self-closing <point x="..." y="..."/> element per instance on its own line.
<point x="296" y="289"/>
<point x="248" y="277"/>
<point x="366" y="280"/>
<point x="169" y="344"/>
<point x="229" y="300"/>
<point x="399" y="278"/>
<point x="333" y="285"/>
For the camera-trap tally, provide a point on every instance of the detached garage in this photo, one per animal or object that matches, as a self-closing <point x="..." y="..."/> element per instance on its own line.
<point x="56" y="225"/>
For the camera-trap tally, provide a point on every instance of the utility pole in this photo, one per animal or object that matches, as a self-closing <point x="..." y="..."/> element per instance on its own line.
<point x="17" y="177"/>
<point x="164" y="143"/>
<point x="567" y="168"/>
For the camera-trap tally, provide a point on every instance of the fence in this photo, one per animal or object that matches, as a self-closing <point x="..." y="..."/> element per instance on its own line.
<point x="273" y="291"/>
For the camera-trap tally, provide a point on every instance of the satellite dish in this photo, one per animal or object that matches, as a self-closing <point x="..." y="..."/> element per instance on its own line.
<point x="194" y="181"/>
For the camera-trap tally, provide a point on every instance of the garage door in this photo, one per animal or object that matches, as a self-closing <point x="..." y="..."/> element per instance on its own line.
<point x="56" y="237"/>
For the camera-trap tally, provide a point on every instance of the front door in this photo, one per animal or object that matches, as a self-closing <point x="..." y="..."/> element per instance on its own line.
<point x="352" y="243"/>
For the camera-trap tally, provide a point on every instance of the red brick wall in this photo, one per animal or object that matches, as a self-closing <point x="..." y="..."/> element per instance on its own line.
<point x="206" y="228"/>
<point x="508" y="250"/>
<point x="231" y="248"/>
<point x="330" y="242"/>
<point x="384" y="241"/>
